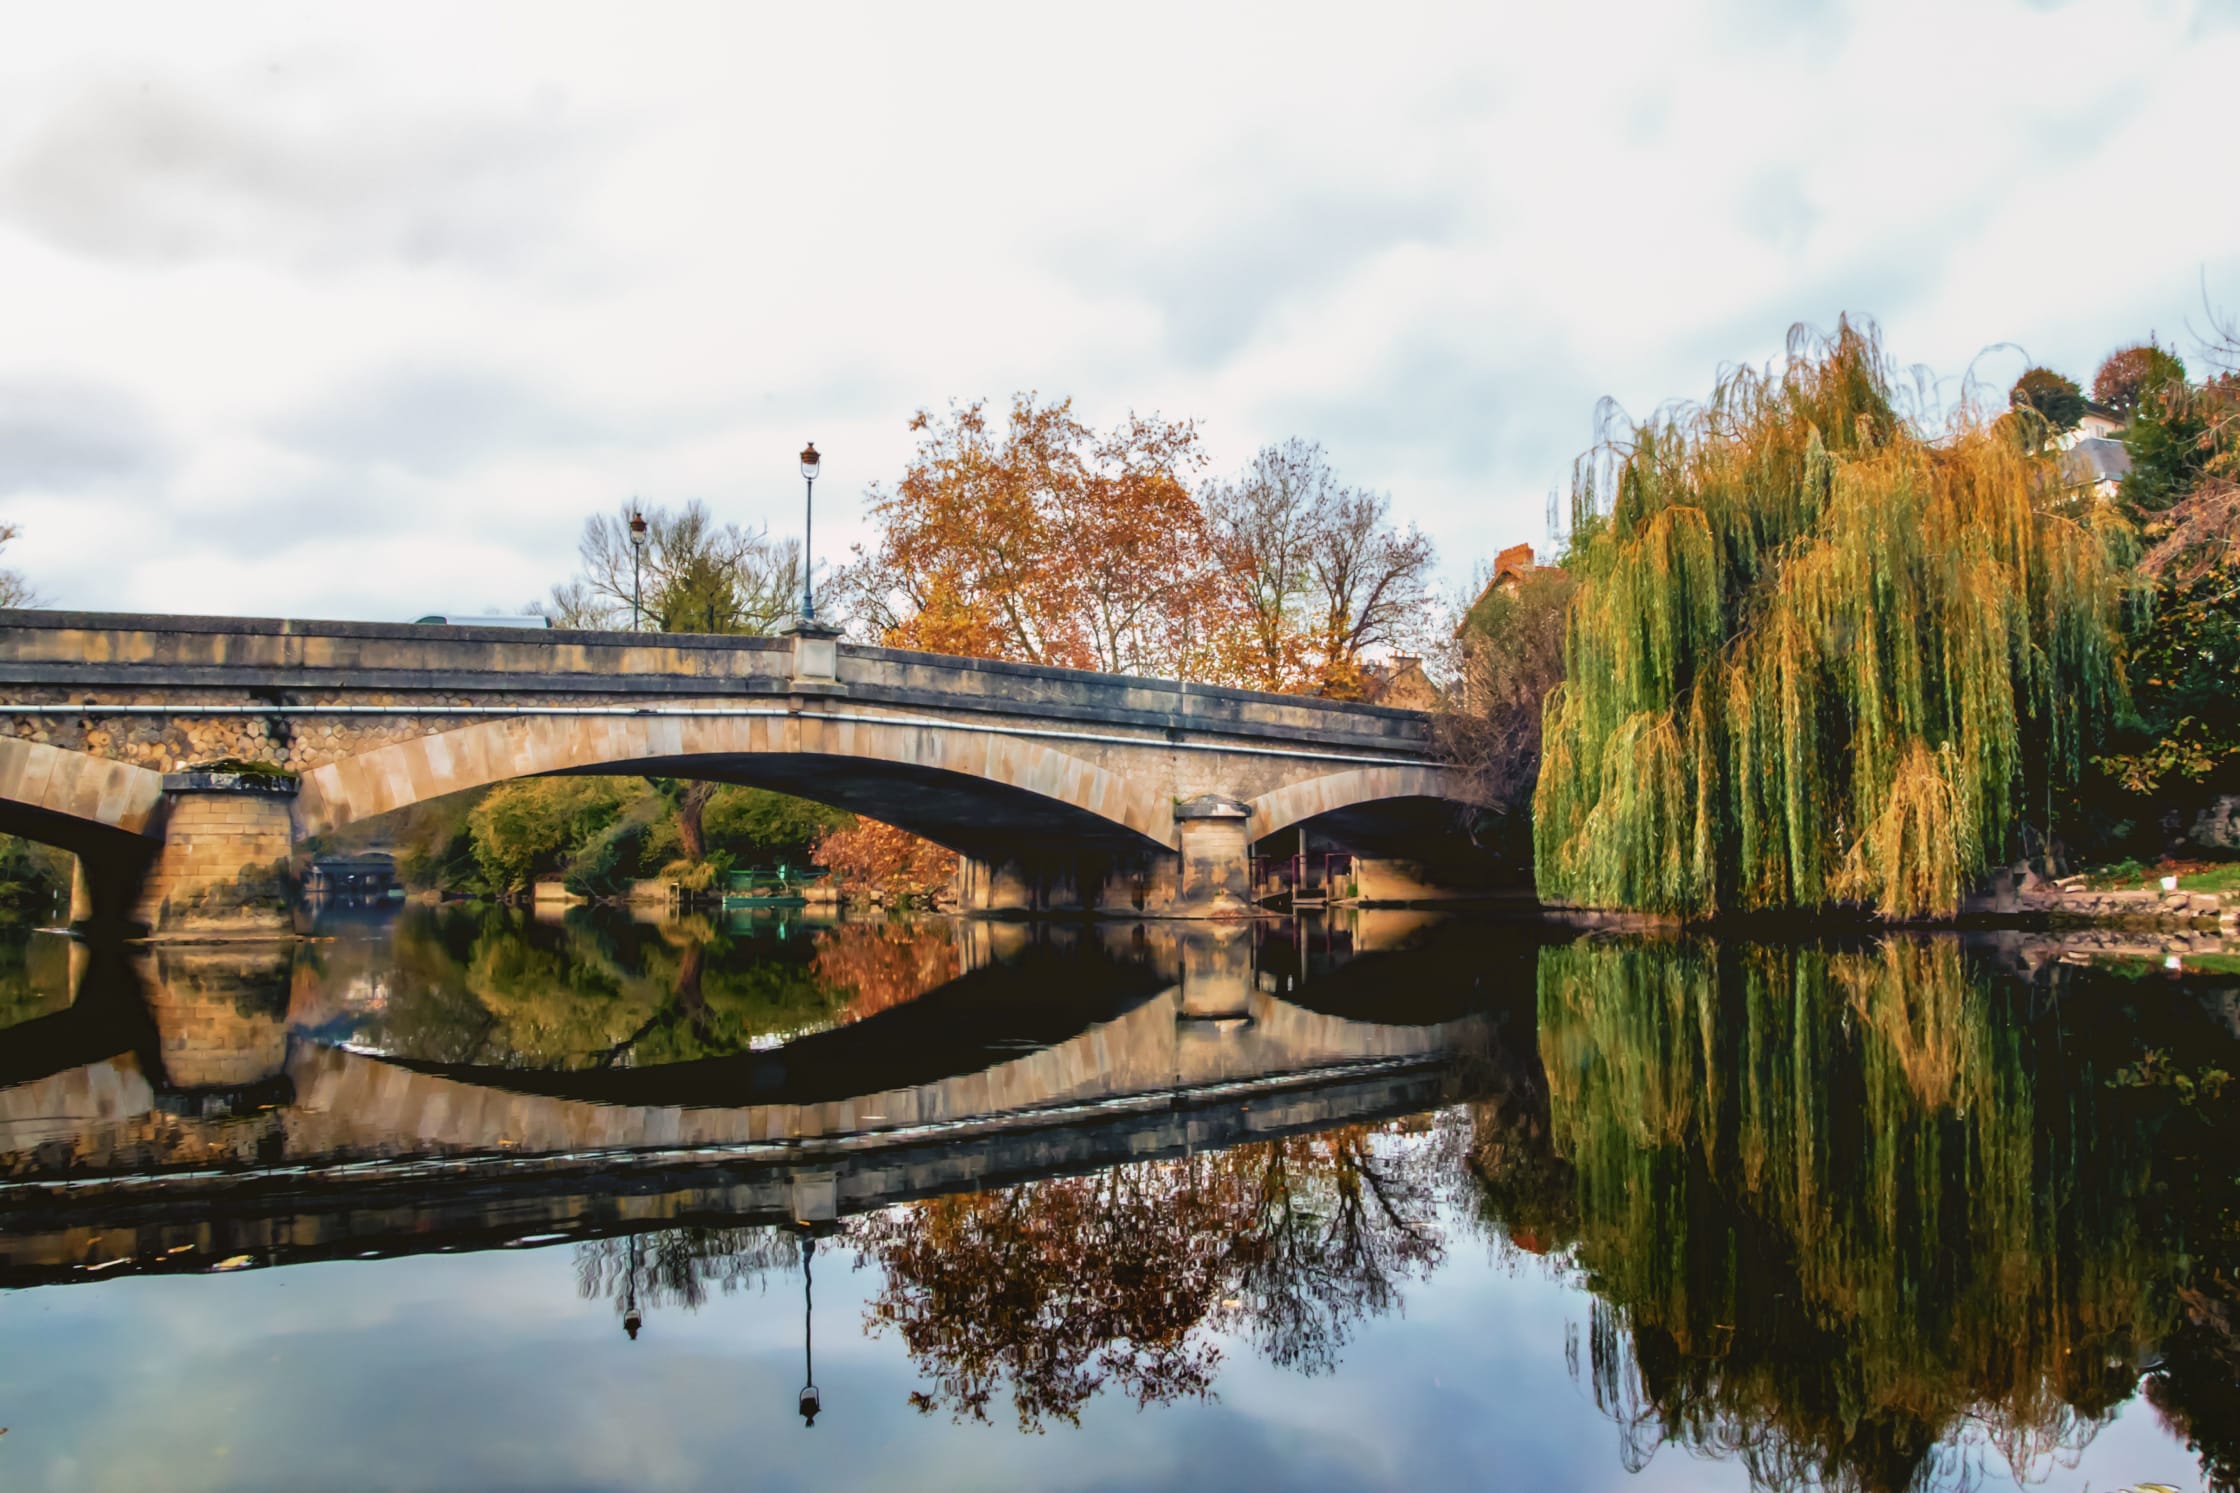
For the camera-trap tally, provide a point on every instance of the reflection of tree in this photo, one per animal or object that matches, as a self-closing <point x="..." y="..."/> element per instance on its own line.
<point x="494" y="987"/>
<point x="1330" y="1227"/>
<point x="34" y="975"/>
<point x="2195" y="1382"/>
<point x="679" y="1267"/>
<point x="1848" y="1212"/>
<point x="886" y="964"/>
<point x="1069" y="1287"/>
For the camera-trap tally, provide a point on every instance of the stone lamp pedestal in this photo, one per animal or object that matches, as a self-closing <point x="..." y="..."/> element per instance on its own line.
<point x="816" y="656"/>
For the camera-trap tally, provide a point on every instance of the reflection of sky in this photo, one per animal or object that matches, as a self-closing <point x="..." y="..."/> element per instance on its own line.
<point x="488" y="1371"/>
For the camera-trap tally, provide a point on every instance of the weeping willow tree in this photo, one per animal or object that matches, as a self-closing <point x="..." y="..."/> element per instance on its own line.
<point x="1852" y="1215"/>
<point x="1820" y="655"/>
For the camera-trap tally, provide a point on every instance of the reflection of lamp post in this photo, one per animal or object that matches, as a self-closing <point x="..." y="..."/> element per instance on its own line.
<point x="809" y="465"/>
<point x="631" y="1320"/>
<point x="637" y="551"/>
<point x="811" y="1401"/>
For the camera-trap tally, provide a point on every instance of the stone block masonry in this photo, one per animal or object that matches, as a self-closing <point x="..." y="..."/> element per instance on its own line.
<point x="223" y="871"/>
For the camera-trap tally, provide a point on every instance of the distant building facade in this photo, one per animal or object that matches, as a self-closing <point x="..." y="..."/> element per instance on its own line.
<point x="1513" y="569"/>
<point x="1400" y="682"/>
<point x="2098" y="463"/>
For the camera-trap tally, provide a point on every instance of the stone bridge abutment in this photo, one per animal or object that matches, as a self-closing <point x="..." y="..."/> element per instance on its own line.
<point x="183" y="759"/>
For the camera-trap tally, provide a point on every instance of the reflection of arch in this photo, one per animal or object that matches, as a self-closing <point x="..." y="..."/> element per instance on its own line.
<point x="965" y="789"/>
<point x="1041" y="999"/>
<point x="73" y="799"/>
<point x="1280" y="809"/>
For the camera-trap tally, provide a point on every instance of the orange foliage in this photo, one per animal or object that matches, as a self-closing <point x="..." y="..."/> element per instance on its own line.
<point x="1035" y="538"/>
<point x="886" y="964"/>
<point x="1120" y="1281"/>
<point x="870" y="856"/>
<point x="1046" y="542"/>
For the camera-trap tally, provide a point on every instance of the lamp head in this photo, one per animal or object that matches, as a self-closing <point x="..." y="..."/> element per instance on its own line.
<point x="637" y="530"/>
<point x="809" y="461"/>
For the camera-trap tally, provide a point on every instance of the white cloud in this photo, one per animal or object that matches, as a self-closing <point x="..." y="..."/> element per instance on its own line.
<point x="379" y="308"/>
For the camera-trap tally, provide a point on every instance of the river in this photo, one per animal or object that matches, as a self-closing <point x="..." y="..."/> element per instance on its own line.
<point x="472" y="1199"/>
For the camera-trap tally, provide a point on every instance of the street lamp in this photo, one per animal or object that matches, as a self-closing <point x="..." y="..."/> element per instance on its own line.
<point x="809" y="464"/>
<point x="811" y="1401"/>
<point x="632" y="1318"/>
<point x="637" y="552"/>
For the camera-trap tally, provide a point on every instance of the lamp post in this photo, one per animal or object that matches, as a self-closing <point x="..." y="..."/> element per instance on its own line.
<point x="632" y="1318"/>
<point x="637" y="552"/>
<point x="809" y="464"/>
<point x="811" y="1401"/>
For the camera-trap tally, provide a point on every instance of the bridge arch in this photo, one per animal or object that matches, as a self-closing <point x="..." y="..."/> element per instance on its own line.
<point x="1359" y="788"/>
<point x="76" y="801"/>
<point x="959" y="787"/>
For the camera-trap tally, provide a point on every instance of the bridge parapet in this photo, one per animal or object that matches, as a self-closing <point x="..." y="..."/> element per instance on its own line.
<point x="284" y="662"/>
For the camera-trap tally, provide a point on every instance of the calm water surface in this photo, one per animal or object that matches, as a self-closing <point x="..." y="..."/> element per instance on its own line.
<point x="469" y="1200"/>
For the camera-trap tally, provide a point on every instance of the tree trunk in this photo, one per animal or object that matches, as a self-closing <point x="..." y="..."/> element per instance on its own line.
<point x="689" y="836"/>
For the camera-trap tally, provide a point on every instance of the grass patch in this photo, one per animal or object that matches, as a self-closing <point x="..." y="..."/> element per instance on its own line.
<point x="2193" y="876"/>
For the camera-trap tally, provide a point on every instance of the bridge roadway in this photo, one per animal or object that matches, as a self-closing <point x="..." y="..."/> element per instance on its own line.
<point x="1062" y="790"/>
<point x="310" y="1151"/>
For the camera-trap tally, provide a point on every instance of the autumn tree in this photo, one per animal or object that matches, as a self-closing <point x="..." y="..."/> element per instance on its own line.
<point x="1316" y="576"/>
<point x="2183" y="748"/>
<point x="2128" y="374"/>
<point x="1263" y="521"/>
<point x="1030" y="536"/>
<point x="865" y="855"/>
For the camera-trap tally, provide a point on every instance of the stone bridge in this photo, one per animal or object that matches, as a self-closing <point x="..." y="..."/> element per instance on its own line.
<point x="1062" y="790"/>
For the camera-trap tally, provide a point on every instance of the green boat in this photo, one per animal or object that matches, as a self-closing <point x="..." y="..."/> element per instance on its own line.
<point x="762" y="888"/>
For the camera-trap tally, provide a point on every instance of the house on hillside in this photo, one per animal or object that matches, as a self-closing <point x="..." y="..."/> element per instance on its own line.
<point x="2097" y="463"/>
<point x="2099" y="423"/>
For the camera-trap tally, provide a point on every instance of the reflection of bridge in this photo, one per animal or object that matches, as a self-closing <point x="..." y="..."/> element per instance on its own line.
<point x="292" y="1150"/>
<point x="1064" y="790"/>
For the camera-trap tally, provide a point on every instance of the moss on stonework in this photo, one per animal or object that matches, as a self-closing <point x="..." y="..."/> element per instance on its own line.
<point x="243" y="767"/>
<point x="262" y="888"/>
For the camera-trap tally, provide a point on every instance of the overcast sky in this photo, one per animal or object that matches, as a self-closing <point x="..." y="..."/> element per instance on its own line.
<point x="358" y="311"/>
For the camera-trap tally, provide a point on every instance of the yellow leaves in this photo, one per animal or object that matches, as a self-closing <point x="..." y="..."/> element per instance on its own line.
<point x="1877" y="636"/>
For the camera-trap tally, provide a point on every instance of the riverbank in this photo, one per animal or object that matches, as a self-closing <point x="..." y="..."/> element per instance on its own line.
<point x="2175" y="915"/>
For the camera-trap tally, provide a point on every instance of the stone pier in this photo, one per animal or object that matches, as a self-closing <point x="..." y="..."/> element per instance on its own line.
<point x="223" y="869"/>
